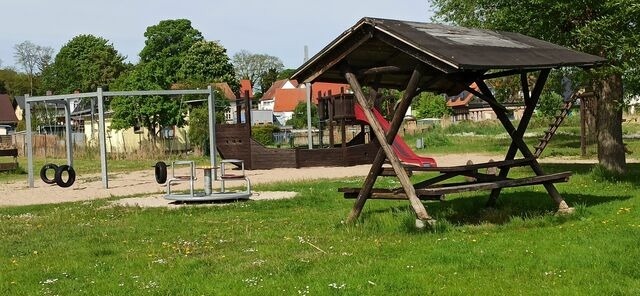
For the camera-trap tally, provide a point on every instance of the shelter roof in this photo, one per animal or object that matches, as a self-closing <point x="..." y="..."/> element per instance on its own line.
<point x="452" y="57"/>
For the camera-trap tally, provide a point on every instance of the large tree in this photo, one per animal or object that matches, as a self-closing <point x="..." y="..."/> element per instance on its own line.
<point x="151" y="112"/>
<point x="33" y="58"/>
<point x="607" y="28"/>
<point x="206" y="62"/>
<point x="85" y="63"/>
<point x="175" y="56"/>
<point x="255" y="67"/>
<point x="166" y="45"/>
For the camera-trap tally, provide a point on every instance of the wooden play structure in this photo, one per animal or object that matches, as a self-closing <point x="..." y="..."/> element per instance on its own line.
<point x="8" y="154"/>
<point x="8" y="165"/>
<point x="235" y="141"/>
<point x="417" y="57"/>
<point x="335" y="113"/>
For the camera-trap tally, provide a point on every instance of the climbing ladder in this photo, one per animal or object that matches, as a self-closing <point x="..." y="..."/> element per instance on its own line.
<point x="558" y="119"/>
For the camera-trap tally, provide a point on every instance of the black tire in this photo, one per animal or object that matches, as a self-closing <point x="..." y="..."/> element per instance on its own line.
<point x="43" y="173"/>
<point x="161" y="172"/>
<point x="72" y="176"/>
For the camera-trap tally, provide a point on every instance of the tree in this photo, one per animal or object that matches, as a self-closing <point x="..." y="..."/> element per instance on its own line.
<point x="299" y="118"/>
<point x="205" y="62"/>
<point x="606" y="28"/>
<point x="166" y="45"/>
<point x="267" y="79"/>
<point x="14" y="83"/>
<point x="33" y="59"/>
<point x="85" y="63"/>
<point x="286" y="74"/>
<point x="152" y="112"/>
<point x="255" y="66"/>
<point x="549" y="104"/>
<point x="430" y="105"/>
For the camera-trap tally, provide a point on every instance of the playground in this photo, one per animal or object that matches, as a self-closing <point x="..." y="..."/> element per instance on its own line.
<point x="560" y="226"/>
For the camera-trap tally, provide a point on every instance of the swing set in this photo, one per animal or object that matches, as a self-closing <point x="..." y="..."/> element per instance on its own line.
<point x="210" y="172"/>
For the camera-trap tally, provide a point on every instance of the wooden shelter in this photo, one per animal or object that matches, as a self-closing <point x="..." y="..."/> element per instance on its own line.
<point x="416" y="57"/>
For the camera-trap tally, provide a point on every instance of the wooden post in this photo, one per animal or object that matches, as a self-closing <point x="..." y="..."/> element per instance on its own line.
<point x="386" y="150"/>
<point x="516" y="139"/>
<point x="247" y="107"/>
<point x="530" y="104"/>
<point x="330" y="106"/>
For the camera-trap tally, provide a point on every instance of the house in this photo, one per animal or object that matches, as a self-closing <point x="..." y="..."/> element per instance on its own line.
<point x="267" y="102"/>
<point x="285" y="102"/>
<point x="19" y="107"/>
<point x="8" y="119"/>
<point x="466" y="106"/>
<point x="231" y="115"/>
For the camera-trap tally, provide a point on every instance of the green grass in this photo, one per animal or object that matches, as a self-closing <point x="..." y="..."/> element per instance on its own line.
<point x="566" y="143"/>
<point x="301" y="246"/>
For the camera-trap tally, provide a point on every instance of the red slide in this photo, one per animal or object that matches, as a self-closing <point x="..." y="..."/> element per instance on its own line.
<point x="405" y="154"/>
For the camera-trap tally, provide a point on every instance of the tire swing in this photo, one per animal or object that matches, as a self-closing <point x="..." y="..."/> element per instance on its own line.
<point x="70" y="171"/>
<point x="161" y="172"/>
<point x="43" y="173"/>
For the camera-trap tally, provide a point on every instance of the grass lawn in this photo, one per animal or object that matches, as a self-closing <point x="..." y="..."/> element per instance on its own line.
<point x="301" y="247"/>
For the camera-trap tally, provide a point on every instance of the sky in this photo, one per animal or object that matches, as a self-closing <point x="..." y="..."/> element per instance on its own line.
<point x="279" y="28"/>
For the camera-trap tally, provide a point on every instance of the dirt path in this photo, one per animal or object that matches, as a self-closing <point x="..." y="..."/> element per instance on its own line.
<point x="143" y="182"/>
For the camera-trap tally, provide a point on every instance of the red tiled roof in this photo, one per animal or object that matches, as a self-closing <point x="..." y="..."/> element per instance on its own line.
<point x="271" y="92"/>
<point x="463" y="98"/>
<point x="226" y="90"/>
<point x="324" y="88"/>
<point x="245" y="85"/>
<point x="278" y="84"/>
<point x="287" y="99"/>
<point x="7" y="114"/>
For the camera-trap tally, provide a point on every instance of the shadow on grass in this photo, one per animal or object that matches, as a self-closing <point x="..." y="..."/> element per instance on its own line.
<point x="522" y="204"/>
<point x="471" y="210"/>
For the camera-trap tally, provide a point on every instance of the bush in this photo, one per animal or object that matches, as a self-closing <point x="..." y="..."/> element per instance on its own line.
<point x="436" y="138"/>
<point x="484" y="127"/>
<point x="549" y="104"/>
<point x="263" y="134"/>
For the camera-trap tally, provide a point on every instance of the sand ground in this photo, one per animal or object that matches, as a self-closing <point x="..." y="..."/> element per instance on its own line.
<point x="90" y="187"/>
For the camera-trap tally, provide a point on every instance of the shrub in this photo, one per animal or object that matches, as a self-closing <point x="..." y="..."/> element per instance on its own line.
<point x="264" y="134"/>
<point x="549" y="104"/>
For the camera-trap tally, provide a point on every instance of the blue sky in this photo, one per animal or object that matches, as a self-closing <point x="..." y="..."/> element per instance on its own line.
<point x="278" y="27"/>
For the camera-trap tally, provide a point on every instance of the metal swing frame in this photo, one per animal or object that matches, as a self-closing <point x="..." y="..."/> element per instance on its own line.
<point x="100" y="95"/>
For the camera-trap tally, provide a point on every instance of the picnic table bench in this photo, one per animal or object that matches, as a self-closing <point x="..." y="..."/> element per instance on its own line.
<point x="433" y="189"/>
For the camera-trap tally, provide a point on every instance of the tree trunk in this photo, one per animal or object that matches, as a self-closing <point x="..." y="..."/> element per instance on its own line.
<point x="609" y="124"/>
